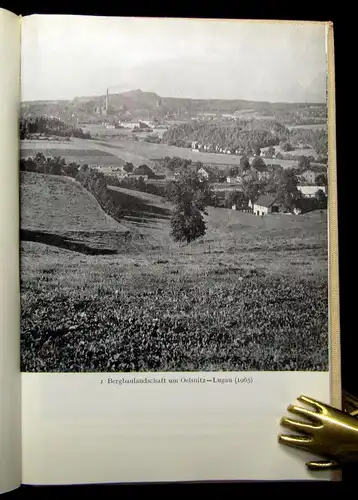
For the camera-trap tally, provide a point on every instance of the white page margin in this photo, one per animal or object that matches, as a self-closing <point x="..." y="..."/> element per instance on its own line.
<point x="10" y="388"/>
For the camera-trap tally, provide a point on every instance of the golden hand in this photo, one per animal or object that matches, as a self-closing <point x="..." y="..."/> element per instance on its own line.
<point x="328" y="432"/>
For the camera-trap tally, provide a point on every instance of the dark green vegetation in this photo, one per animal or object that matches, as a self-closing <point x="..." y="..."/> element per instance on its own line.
<point x="48" y="126"/>
<point x="249" y="295"/>
<point x="246" y="136"/>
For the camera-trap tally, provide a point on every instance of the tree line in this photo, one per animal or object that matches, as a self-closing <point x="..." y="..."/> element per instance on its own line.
<point x="245" y="135"/>
<point x="49" y="126"/>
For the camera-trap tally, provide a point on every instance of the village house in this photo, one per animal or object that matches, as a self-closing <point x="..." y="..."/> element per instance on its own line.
<point x="310" y="191"/>
<point x="207" y="173"/>
<point x="308" y="176"/>
<point x="133" y="125"/>
<point x="265" y="205"/>
<point x="143" y="171"/>
<point x="233" y="180"/>
<point x="262" y="172"/>
<point x="134" y="176"/>
<point x="202" y="172"/>
<point x="267" y="154"/>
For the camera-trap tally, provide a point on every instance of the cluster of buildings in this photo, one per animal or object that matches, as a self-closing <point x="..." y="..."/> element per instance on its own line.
<point x="267" y="204"/>
<point x="267" y="152"/>
<point x="197" y="147"/>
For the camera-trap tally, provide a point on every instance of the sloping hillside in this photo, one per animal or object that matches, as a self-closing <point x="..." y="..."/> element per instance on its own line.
<point x="61" y="205"/>
<point x="58" y="211"/>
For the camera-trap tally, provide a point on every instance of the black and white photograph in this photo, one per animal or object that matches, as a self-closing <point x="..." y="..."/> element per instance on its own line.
<point x="174" y="195"/>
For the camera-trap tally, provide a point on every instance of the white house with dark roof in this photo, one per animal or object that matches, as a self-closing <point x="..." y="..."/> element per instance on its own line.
<point x="265" y="204"/>
<point x="204" y="172"/>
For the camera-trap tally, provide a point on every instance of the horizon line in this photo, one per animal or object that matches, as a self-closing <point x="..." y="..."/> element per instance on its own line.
<point x="174" y="97"/>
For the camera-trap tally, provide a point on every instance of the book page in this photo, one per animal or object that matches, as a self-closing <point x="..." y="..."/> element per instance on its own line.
<point x="10" y="388"/>
<point x="178" y="246"/>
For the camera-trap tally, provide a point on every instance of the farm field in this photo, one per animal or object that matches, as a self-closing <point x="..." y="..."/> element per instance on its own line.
<point x="117" y="152"/>
<point x="92" y="152"/>
<point x="151" y="152"/>
<point x="79" y="152"/>
<point x="246" y="296"/>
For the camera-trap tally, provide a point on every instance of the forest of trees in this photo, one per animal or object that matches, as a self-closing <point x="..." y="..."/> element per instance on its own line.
<point x="49" y="126"/>
<point x="316" y="138"/>
<point x="247" y="136"/>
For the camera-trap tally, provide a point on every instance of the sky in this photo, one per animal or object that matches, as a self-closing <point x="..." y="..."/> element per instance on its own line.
<point x="68" y="56"/>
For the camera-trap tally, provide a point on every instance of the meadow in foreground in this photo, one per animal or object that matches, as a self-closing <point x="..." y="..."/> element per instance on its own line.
<point x="171" y="312"/>
<point x="250" y="295"/>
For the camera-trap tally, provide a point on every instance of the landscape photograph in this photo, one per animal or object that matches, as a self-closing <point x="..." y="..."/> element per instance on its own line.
<point x="174" y="193"/>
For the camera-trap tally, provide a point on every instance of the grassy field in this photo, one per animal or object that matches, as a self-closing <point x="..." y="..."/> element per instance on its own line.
<point x="142" y="151"/>
<point x="92" y="152"/>
<point x="59" y="212"/>
<point x="116" y="152"/>
<point x="153" y="152"/>
<point x="80" y="152"/>
<point x="246" y="296"/>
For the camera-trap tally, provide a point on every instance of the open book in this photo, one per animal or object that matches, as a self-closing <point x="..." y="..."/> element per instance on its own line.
<point x="178" y="287"/>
